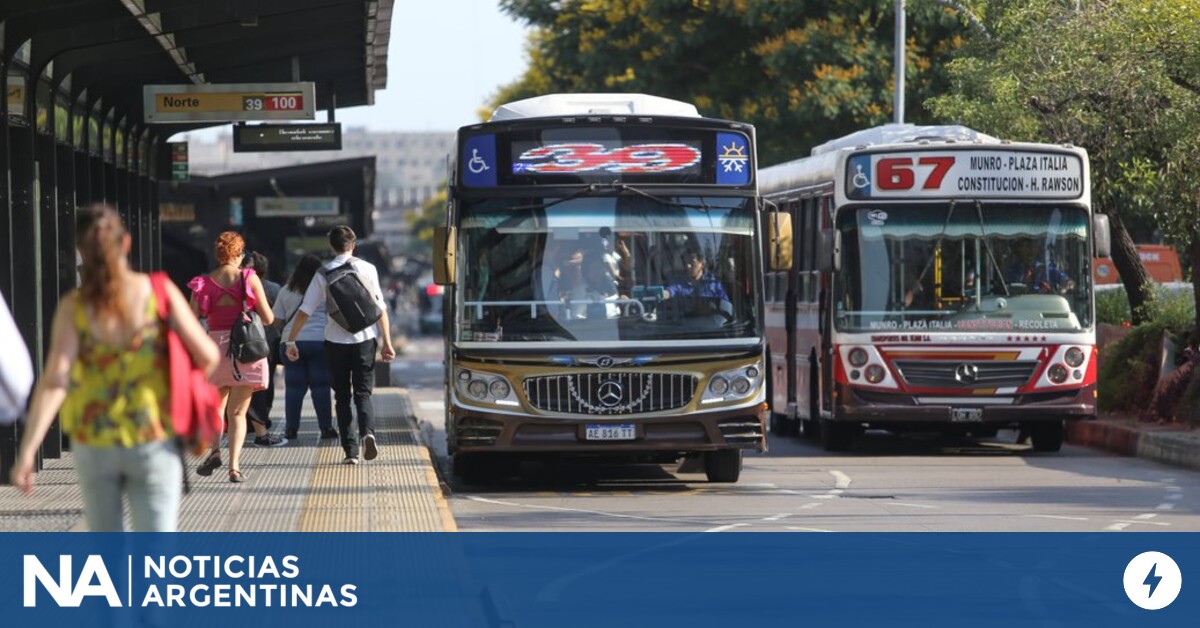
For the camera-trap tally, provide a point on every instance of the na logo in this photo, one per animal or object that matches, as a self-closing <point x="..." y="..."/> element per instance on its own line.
<point x="93" y="580"/>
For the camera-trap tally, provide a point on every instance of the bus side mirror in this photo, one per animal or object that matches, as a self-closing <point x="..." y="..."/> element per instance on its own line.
<point x="445" y="243"/>
<point x="779" y="240"/>
<point x="829" y="251"/>
<point x="1101" y="235"/>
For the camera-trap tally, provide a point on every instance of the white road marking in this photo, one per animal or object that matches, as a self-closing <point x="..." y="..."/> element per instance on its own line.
<point x="728" y="527"/>
<point x="1118" y="526"/>
<point x="433" y="364"/>
<point x="1063" y="517"/>
<point x="1174" y="496"/>
<point x="809" y="505"/>
<point x="1148" y="515"/>
<point x="779" y="516"/>
<point x="799" y="529"/>
<point x="601" y="513"/>
<point x="430" y="405"/>
<point x="907" y="505"/>
<point x="1172" y="489"/>
<point x="1146" y="523"/>
<point x="842" y="480"/>
<point x="1165" y="507"/>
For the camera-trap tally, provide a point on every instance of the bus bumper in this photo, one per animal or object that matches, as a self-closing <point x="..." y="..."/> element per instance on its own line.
<point x="741" y="428"/>
<point x="882" y="409"/>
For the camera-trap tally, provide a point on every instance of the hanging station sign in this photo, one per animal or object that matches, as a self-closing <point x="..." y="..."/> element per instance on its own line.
<point x="287" y="137"/>
<point x="229" y="102"/>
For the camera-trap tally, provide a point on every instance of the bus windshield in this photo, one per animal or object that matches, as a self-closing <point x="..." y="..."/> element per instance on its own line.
<point x="607" y="269"/>
<point x="965" y="267"/>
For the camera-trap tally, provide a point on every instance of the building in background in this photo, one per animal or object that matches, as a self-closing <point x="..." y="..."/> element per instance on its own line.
<point x="409" y="168"/>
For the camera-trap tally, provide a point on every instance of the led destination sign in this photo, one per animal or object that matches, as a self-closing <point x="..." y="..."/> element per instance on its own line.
<point x="634" y="154"/>
<point x="287" y="137"/>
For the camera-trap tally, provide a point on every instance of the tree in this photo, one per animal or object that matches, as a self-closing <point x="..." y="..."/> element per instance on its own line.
<point x="801" y="72"/>
<point x="421" y="222"/>
<point x="1097" y="74"/>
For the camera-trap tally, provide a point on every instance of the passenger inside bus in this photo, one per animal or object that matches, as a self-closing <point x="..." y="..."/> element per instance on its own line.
<point x="584" y="283"/>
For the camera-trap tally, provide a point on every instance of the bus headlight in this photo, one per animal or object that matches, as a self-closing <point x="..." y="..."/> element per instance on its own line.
<point x="874" y="374"/>
<point x="733" y="384"/>
<point x="1074" y="357"/>
<point x="499" y="388"/>
<point x="858" y="357"/>
<point x="477" y="388"/>
<point x="1057" y="373"/>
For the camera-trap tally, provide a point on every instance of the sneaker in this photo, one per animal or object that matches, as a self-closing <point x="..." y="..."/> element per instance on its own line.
<point x="270" y="440"/>
<point x="350" y="460"/>
<point x="290" y="434"/>
<point x="369" y="448"/>
<point x="329" y="432"/>
<point x="210" y="464"/>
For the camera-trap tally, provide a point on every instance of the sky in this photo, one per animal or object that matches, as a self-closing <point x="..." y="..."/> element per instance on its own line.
<point x="445" y="58"/>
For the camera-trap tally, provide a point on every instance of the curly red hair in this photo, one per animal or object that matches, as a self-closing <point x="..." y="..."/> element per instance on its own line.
<point x="229" y="247"/>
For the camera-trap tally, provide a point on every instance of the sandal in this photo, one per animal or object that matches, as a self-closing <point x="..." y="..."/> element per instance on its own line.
<point x="210" y="464"/>
<point x="237" y="477"/>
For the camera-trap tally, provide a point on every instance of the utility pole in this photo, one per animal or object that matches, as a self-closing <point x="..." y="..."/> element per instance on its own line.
<point x="898" y="97"/>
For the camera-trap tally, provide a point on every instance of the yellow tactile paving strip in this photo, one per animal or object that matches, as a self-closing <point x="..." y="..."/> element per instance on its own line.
<point x="300" y="487"/>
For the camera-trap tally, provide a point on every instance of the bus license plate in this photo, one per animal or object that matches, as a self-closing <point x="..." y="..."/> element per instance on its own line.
<point x="621" y="431"/>
<point x="966" y="415"/>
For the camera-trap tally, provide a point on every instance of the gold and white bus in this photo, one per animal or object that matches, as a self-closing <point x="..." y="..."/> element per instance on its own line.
<point x="602" y="267"/>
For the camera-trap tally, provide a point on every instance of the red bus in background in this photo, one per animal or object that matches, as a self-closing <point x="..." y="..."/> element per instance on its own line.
<point x="1161" y="262"/>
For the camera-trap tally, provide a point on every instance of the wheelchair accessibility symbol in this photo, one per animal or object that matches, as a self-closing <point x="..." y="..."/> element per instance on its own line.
<point x="476" y="164"/>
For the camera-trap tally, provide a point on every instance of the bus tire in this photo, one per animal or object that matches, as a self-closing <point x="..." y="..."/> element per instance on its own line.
<point x="473" y="468"/>
<point x="810" y="428"/>
<point x="836" y="436"/>
<point x="723" y="465"/>
<point x="1048" y="436"/>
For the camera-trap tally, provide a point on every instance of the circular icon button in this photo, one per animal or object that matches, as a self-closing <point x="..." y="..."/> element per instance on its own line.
<point x="1152" y="580"/>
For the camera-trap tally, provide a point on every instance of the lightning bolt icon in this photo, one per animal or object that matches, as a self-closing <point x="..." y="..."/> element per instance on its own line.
<point x="1152" y="580"/>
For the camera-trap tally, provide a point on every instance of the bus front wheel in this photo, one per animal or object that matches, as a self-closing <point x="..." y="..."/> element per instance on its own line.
<point x="1047" y="436"/>
<point x="723" y="465"/>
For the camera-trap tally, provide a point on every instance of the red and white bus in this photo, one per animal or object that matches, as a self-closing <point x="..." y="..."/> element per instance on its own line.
<point x="942" y="281"/>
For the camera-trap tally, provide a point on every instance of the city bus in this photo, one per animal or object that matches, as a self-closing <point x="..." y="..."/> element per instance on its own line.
<point x="942" y="283"/>
<point x="602" y="272"/>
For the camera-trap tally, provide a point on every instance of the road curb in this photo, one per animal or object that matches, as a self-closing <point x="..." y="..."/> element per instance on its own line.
<point x="1181" y="449"/>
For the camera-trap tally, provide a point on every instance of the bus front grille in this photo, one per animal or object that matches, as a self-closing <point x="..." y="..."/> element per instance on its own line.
<point x="610" y="393"/>
<point x="984" y="374"/>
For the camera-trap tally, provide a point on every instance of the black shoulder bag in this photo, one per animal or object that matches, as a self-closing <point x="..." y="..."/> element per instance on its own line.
<point x="248" y="338"/>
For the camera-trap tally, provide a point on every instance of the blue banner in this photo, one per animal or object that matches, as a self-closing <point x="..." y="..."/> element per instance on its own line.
<point x="560" y="580"/>
<point x="733" y="159"/>
<point x="479" y="161"/>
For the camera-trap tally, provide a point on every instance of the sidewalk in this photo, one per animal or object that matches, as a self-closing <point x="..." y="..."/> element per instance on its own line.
<point x="1169" y="444"/>
<point x="301" y="487"/>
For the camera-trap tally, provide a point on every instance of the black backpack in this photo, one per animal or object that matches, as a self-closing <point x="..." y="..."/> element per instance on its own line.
<point x="347" y="300"/>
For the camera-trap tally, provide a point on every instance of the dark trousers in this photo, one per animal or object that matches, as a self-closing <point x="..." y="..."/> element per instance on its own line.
<point x="352" y="375"/>
<point x="310" y="372"/>
<point x="261" y="401"/>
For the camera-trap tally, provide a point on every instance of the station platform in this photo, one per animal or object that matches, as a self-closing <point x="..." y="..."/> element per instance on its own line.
<point x="299" y="487"/>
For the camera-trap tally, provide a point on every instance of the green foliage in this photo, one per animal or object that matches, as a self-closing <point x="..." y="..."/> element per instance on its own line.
<point x="1129" y="370"/>
<point x="801" y="72"/>
<point x="422" y="222"/>
<point x="1112" y="307"/>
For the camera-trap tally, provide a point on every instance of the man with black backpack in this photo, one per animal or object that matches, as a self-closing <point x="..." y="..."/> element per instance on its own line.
<point x="357" y="318"/>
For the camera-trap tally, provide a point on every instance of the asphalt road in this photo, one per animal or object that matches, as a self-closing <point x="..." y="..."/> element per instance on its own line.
<point x="886" y="483"/>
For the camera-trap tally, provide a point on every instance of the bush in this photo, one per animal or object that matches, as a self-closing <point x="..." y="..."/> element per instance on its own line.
<point x="1129" y="370"/>
<point x="1173" y="306"/>
<point x="1112" y="307"/>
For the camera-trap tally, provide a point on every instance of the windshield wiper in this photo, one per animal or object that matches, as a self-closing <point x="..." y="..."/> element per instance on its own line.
<point x="625" y="187"/>
<point x="588" y="190"/>
<point x="988" y="247"/>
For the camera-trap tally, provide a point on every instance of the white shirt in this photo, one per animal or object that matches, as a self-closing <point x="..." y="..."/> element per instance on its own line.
<point x="286" y="306"/>
<point x="16" y="368"/>
<point x="315" y="296"/>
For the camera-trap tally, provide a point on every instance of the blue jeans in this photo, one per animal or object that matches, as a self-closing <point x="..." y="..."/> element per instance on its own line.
<point x="151" y="475"/>
<point x="308" y="373"/>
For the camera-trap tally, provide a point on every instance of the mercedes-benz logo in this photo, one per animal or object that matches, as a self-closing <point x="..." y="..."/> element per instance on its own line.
<point x="610" y="393"/>
<point x="966" y="373"/>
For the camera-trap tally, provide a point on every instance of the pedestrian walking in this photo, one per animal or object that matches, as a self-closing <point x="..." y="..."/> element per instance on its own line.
<point x="106" y="376"/>
<point x="352" y="286"/>
<point x="220" y="298"/>
<point x="309" y="371"/>
<point x="262" y="401"/>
